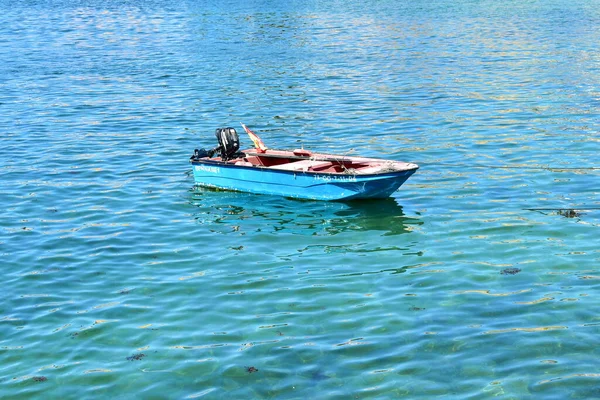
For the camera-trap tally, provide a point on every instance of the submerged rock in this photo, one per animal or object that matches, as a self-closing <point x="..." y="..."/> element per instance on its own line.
<point x="510" y="271"/>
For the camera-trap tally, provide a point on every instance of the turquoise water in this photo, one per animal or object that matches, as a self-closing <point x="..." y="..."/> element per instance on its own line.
<point x="121" y="280"/>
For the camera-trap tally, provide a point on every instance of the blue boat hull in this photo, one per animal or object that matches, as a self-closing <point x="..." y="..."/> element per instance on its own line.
<point x="298" y="184"/>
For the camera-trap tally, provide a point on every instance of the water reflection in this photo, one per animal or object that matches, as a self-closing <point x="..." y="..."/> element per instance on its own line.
<point x="381" y="215"/>
<point x="225" y="212"/>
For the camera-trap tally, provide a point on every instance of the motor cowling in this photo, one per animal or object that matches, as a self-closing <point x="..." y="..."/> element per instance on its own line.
<point x="229" y="142"/>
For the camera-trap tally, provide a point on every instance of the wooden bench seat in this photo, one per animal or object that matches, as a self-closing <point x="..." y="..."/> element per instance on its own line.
<point x="303" y="165"/>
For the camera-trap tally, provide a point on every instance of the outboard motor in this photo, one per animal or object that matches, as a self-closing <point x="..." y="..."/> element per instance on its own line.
<point x="229" y="142"/>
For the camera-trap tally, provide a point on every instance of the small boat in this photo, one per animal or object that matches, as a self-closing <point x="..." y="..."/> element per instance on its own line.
<point x="296" y="173"/>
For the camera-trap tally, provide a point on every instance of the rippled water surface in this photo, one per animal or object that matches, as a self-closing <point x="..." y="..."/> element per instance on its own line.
<point x="122" y="280"/>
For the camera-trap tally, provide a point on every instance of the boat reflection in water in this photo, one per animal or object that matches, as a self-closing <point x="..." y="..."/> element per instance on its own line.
<point x="242" y="213"/>
<point x="384" y="215"/>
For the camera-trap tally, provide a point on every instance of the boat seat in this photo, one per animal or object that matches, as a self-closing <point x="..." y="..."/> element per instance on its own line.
<point x="303" y="165"/>
<point x="244" y="163"/>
